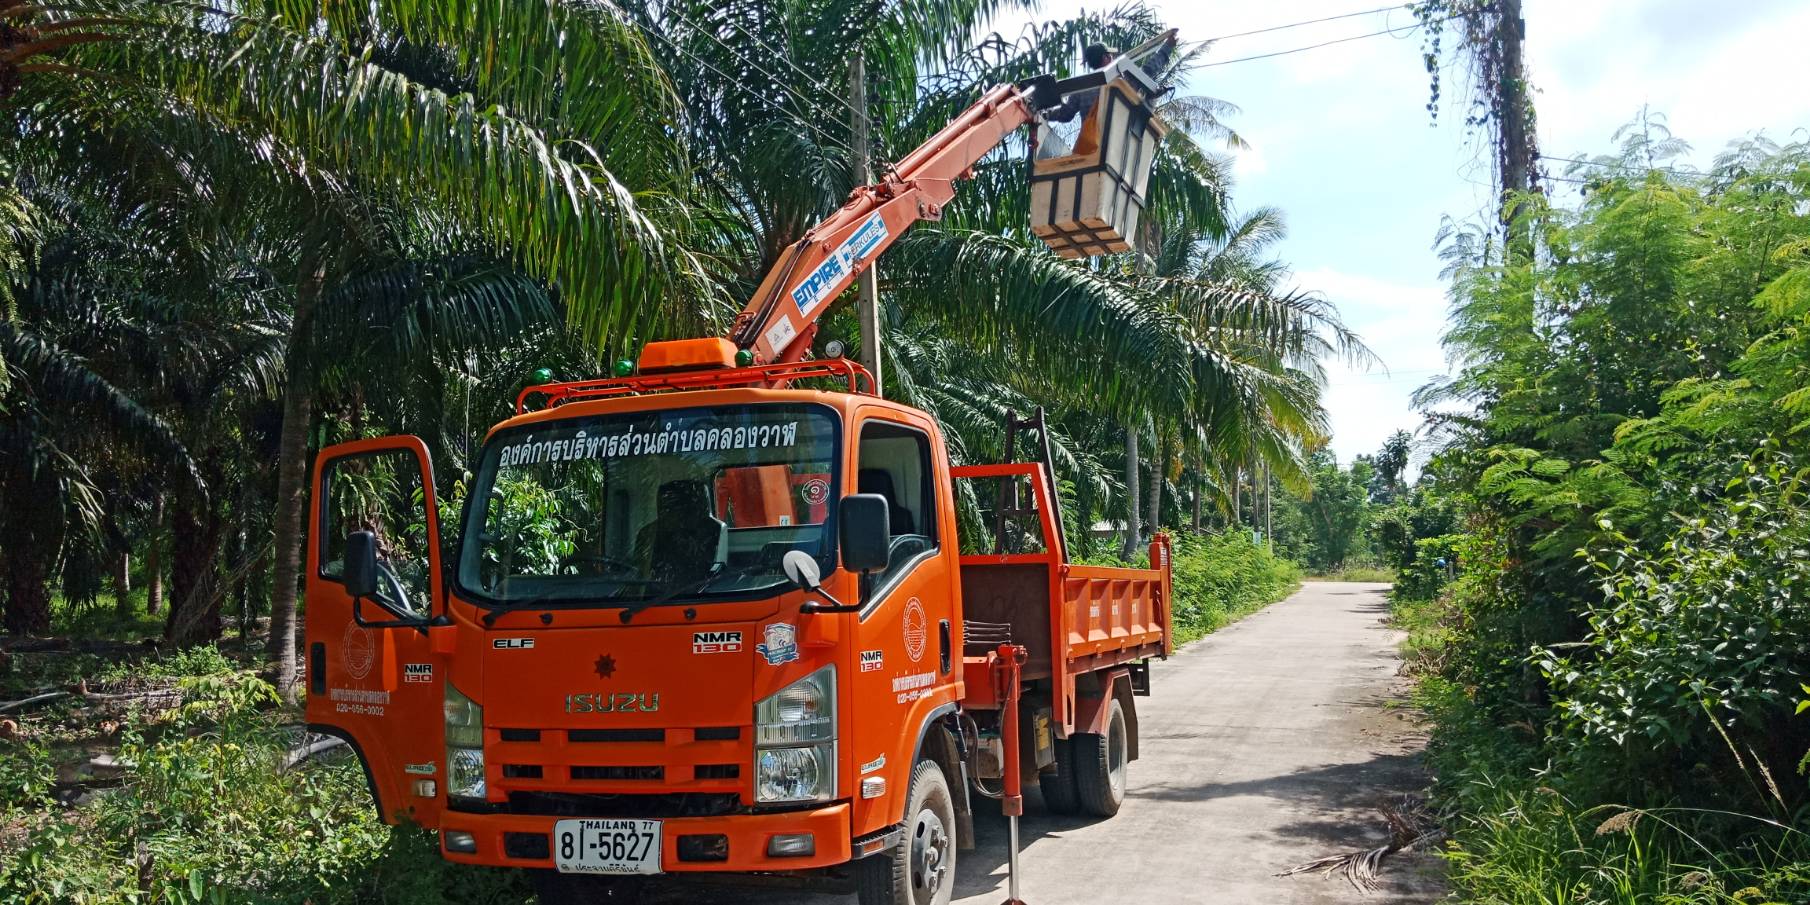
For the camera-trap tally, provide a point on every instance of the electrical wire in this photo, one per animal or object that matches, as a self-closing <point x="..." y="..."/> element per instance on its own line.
<point x="1374" y="34"/>
<point x="731" y="80"/>
<point x="1263" y="31"/>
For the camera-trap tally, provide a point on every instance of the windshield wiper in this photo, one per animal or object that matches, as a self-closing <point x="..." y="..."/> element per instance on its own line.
<point x="696" y="587"/>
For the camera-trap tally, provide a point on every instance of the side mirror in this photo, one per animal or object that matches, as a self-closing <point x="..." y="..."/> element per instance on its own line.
<point x="361" y="565"/>
<point x="866" y="532"/>
<point x="801" y="569"/>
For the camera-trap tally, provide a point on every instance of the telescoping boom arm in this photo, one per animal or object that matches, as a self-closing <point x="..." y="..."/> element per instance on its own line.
<point x="778" y="324"/>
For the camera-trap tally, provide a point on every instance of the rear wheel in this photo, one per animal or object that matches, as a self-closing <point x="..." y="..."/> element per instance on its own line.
<point x="1100" y="761"/>
<point x="920" y="870"/>
<point x="554" y="888"/>
<point x="1058" y="783"/>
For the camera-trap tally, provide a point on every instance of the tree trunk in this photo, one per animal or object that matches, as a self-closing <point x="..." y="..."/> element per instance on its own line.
<point x="31" y="537"/>
<point x="1159" y="469"/>
<point x="154" y="558"/>
<point x="1200" y="487"/>
<point x="27" y="587"/>
<point x="1132" y="527"/>
<point x="196" y="536"/>
<point x="1237" y="494"/>
<point x="122" y="584"/>
<point x="292" y="476"/>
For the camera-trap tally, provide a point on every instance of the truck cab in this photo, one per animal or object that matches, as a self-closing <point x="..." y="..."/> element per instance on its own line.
<point x="599" y="663"/>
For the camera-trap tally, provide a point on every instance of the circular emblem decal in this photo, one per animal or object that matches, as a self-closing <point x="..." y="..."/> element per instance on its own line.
<point x="816" y="490"/>
<point x="358" y="650"/>
<point x="917" y="630"/>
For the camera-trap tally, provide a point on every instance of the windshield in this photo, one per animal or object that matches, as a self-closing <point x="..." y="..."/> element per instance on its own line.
<point x="633" y="507"/>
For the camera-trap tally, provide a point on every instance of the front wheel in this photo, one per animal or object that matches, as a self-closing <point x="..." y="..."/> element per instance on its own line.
<point x="554" y="888"/>
<point x="920" y="870"/>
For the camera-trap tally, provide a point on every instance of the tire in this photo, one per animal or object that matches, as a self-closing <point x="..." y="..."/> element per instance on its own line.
<point x="554" y="888"/>
<point x="920" y="870"/>
<point x="1100" y="761"/>
<point x="1058" y="784"/>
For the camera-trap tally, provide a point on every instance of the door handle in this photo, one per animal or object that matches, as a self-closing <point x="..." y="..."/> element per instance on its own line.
<point x="942" y="638"/>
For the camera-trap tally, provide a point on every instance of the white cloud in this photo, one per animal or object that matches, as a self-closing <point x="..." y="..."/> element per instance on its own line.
<point x="1401" y="323"/>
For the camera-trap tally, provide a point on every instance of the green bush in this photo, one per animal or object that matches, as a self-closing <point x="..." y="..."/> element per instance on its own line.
<point x="207" y="814"/>
<point x="1222" y="577"/>
<point x="1696" y="650"/>
<point x="1520" y="835"/>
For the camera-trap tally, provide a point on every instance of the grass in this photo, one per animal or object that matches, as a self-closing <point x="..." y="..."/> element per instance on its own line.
<point x="1525" y="829"/>
<point x="1357" y="573"/>
<point x="206" y="814"/>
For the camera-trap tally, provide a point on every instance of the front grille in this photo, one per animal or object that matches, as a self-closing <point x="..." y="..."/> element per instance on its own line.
<point x="670" y="804"/>
<point x="521" y="771"/>
<point x="717" y="771"/>
<point x="633" y="774"/>
<point x="520" y="735"/>
<point x="616" y="735"/>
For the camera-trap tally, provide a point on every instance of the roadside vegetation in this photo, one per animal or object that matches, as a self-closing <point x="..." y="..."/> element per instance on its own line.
<point x="229" y="237"/>
<point x="1614" y="654"/>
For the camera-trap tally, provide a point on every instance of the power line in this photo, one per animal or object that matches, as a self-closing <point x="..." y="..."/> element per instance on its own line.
<point x="1374" y="34"/>
<point x="827" y="138"/>
<point x="1262" y="31"/>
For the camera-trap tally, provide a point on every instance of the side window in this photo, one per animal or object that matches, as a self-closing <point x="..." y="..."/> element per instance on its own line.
<point x="379" y="492"/>
<point x="894" y="462"/>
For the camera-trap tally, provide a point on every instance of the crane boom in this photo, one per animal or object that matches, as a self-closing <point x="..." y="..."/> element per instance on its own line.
<point x="778" y="323"/>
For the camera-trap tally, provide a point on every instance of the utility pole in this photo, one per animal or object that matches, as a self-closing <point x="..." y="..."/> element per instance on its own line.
<point x="867" y="285"/>
<point x="1516" y="152"/>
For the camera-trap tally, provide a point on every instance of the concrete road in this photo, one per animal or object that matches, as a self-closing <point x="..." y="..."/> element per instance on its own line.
<point x="1266" y="745"/>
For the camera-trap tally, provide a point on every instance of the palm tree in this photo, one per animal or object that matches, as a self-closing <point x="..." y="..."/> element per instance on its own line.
<point x="486" y="118"/>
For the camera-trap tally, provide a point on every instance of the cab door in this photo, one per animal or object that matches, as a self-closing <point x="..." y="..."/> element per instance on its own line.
<point x="375" y="677"/>
<point x="906" y="668"/>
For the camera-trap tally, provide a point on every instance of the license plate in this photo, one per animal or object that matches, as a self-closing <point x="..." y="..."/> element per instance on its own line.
<point x="607" y="846"/>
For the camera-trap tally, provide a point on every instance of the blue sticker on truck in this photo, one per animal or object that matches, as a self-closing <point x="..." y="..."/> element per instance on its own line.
<point x="781" y="644"/>
<point x="841" y="262"/>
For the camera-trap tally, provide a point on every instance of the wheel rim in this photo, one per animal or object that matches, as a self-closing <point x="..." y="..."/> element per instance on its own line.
<point x="929" y="856"/>
<point x="1116" y="755"/>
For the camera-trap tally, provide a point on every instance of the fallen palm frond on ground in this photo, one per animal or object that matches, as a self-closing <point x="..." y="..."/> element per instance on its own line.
<point x="1410" y="826"/>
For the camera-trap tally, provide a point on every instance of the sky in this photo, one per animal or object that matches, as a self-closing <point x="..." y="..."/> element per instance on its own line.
<point x="1341" y="141"/>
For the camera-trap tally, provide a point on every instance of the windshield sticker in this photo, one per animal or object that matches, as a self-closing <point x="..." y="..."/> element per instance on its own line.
<point x="816" y="490"/>
<point x="917" y="629"/>
<point x="716" y="642"/>
<point x="873" y="660"/>
<point x="781" y="645"/>
<point x="632" y="442"/>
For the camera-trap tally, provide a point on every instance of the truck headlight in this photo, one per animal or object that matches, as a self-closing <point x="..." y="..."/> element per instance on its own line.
<point x="795" y="741"/>
<point x="464" y="745"/>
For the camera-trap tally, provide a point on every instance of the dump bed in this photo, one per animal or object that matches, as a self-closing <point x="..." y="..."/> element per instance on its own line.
<point x="1072" y="619"/>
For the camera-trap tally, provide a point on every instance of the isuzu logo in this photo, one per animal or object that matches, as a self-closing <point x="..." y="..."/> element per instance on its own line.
<point x="621" y="702"/>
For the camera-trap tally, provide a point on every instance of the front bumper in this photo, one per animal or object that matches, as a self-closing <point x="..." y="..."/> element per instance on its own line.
<point x="498" y="835"/>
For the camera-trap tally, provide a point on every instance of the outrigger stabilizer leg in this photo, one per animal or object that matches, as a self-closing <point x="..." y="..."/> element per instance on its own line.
<point x="1006" y="663"/>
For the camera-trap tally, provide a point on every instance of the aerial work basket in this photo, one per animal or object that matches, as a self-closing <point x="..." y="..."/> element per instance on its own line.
<point x="1088" y="202"/>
